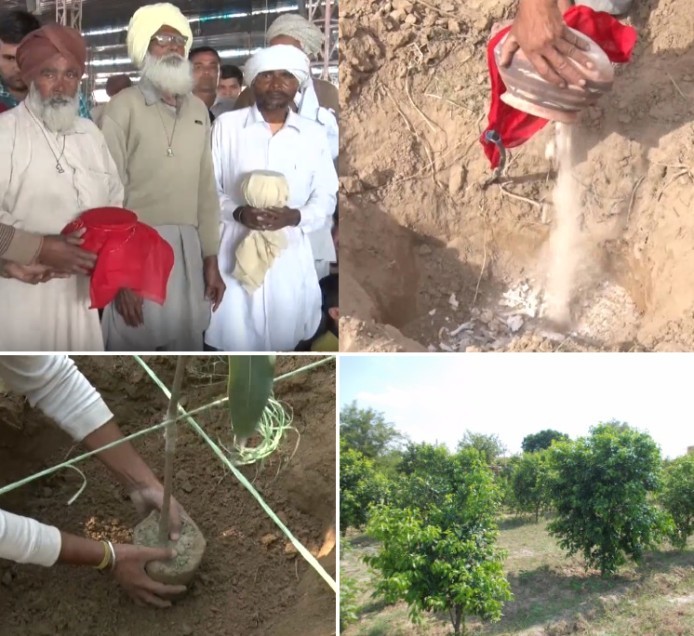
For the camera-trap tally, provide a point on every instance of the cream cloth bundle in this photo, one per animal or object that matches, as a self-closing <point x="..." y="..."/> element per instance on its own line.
<point x="258" y="251"/>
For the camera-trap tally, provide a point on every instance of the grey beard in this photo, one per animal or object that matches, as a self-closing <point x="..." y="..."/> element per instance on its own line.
<point x="171" y="74"/>
<point x="58" y="114"/>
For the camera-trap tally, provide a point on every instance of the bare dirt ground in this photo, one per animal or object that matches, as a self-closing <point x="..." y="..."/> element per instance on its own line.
<point x="432" y="260"/>
<point x="248" y="584"/>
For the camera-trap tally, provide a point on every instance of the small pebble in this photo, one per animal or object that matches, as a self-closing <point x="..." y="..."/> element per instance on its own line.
<point x="268" y="539"/>
<point x="186" y="630"/>
<point x="290" y="550"/>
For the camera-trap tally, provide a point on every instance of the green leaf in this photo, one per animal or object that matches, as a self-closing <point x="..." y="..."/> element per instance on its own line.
<point x="249" y="389"/>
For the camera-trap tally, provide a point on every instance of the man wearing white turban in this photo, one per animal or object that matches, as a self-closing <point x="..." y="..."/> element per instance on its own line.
<point x="295" y="30"/>
<point x="317" y="100"/>
<point x="270" y="136"/>
<point x="159" y="136"/>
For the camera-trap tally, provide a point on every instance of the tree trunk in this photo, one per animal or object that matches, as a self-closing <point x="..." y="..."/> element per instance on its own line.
<point x="458" y="622"/>
<point x="170" y="435"/>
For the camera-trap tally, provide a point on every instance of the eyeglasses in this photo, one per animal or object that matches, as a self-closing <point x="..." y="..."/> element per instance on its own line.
<point x="166" y="39"/>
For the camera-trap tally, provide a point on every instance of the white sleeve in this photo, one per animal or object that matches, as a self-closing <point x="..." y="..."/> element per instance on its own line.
<point x="55" y="385"/>
<point x="220" y="140"/>
<point x="25" y="540"/>
<point x="324" y="185"/>
<point x="328" y="120"/>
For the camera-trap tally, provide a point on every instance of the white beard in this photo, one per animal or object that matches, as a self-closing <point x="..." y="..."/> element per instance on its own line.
<point x="171" y="74"/>
<point x="58" y="114"/>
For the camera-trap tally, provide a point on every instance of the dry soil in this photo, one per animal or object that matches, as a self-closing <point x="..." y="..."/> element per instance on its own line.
<point x="250" y="583"/>
<point x="432" y="259"/>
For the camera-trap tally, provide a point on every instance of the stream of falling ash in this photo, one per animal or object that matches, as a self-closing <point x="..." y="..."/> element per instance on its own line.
<point x="565" y="238"/>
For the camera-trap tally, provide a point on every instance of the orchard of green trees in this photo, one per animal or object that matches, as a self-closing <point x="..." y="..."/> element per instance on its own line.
<point x="609" y="497"/>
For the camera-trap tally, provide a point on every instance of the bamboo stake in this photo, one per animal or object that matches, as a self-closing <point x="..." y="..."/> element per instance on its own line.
<point x="170" y="449"/>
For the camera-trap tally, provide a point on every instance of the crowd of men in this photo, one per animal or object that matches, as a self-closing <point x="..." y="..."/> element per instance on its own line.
<point x="177" y="144"/>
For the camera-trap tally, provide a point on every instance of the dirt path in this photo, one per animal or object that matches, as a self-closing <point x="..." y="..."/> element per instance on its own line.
<point x="243" y="587"/>
<point x="437" y="261"/>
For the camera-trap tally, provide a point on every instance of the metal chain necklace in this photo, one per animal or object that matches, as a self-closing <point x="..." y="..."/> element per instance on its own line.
<point x="58" y="165"/>
<point x="169" y="150"/>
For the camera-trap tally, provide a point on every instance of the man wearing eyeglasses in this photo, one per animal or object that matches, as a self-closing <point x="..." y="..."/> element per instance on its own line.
<point x="159" y="135"/>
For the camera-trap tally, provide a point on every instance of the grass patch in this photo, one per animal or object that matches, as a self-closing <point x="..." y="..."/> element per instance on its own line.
<point x="553" y="595"/>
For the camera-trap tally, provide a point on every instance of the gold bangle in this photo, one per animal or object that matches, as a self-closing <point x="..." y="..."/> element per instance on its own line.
<point x="107" y="557"/>
<point x="112" y="553"/>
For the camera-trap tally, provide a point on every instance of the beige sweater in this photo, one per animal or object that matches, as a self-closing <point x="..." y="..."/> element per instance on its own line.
<point x="19" y="246"/>
<point x="162" y="190"/>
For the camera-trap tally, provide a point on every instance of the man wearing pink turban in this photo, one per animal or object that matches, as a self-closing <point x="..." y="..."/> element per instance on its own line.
<point x="54" y="165"/>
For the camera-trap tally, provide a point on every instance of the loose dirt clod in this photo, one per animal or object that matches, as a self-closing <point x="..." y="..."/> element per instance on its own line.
<point x="190" y="549"/>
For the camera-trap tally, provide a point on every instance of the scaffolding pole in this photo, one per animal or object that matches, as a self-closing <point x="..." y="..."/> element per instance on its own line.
<point x="320" y="13"/>
<point x="69" y="13"/>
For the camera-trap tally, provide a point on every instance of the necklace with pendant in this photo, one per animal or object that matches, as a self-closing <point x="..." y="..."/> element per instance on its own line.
<point x="169" y="150"/>
<point x="58" y="166"/>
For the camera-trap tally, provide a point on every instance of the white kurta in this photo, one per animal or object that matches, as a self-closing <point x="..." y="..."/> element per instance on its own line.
<point x="287" y="307"/>
<point x="34" y="196"/>
<point x="321" y="240"/>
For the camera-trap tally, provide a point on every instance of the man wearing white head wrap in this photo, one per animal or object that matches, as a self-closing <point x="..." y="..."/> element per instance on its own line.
<point x="275" y="58"/>
<point x="159" y="135"/>
<point x="317" y="99"/>
<point x="295" y="31"/>
<point x="286" y="308"/>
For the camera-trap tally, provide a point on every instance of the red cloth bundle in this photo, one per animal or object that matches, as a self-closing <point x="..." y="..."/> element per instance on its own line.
<point x="130" y="255"/>
<point x="515" y="127"/>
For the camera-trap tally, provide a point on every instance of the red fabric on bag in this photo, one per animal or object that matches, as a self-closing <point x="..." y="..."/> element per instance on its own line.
<point x="130" y="255"/>
<point x="516" y="127"/>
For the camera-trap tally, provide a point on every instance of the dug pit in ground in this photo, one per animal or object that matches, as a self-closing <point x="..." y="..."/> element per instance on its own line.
<point x="438" y="261"/>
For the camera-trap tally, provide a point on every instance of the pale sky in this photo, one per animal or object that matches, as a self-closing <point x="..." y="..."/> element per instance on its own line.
<point x="436" y="397"/>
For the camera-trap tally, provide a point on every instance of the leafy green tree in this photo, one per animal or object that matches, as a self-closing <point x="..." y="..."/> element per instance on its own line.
<point x="438" y="538"/>
<point x="677" y="498"/>
<point x="361" y="486"/>
<point x="489" y="445"/>
<point x="420" y="457"/>
<point x="529" y="482"/>
<point x="541" y="440"/>
<point x="600" y="487"/>
<point x="504" y="471"/>
<point x="367" y="431"/>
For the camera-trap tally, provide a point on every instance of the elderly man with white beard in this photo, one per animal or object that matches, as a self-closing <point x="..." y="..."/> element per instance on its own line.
<point x="53" y="166"/>
<point x="270" y="136"/>
<point x="159" y="135"/>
